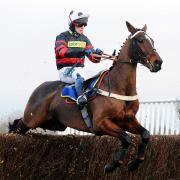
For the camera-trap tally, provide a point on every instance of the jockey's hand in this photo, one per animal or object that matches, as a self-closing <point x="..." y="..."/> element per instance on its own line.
<point x="98" y="51"/>
<point x="96" y="60"/>
<point x="88" y="52"/>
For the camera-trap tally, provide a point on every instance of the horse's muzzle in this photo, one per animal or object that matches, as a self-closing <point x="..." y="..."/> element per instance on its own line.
<point x="157" y="66"/>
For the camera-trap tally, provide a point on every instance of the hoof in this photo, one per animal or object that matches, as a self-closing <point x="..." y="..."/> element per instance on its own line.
<point x="133" y="165"/>
<point x="111" y="167"/>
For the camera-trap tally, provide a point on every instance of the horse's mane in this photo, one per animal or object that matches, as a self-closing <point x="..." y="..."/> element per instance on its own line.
<point x="119" y="52"/>
<point x="124" y="44"/>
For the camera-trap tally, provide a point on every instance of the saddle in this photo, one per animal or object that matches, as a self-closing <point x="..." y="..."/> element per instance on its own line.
<point x="90" y="88"/>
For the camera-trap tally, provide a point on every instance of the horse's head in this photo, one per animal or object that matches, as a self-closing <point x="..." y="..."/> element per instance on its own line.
<point x="142" y="49"/>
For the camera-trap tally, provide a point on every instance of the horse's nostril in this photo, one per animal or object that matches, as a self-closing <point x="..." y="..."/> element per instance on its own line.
<point x="158" y="63"/>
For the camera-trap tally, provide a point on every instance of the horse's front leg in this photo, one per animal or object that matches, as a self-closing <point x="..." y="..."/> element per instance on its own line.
<point x="135" y="128"/>
<point x="120" y="154"/>
<point x="110" y="128"/>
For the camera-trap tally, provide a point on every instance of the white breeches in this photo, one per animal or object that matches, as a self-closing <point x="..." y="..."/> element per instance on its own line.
<point x="69" y="75"/>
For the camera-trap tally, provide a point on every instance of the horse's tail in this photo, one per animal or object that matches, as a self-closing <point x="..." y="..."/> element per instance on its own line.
<point x="12" y="126"/>
<point x="17" y="126"/>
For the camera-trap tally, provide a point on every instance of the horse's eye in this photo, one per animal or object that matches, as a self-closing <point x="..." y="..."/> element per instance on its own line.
<point x="140" y="40"/>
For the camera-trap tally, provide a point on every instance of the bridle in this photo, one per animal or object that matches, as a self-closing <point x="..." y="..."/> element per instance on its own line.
<point x="136" y="54"/>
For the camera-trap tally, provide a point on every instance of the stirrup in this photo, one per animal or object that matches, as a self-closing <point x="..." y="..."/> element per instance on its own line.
<point x="82" y="100"/>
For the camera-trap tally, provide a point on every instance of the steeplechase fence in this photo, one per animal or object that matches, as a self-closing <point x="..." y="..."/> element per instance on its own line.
<point x="159" y="117"/>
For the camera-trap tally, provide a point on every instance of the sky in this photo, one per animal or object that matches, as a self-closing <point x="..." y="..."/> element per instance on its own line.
<point x="29" y="28"/>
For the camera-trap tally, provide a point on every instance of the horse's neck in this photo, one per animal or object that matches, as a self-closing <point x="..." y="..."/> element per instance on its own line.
<point x="123" y="75"/>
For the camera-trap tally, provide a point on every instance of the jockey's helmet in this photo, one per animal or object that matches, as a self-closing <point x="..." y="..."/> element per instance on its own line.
<point x="77" y="18"/>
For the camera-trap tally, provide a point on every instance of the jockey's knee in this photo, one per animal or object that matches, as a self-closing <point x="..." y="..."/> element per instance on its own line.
<point x="126" y="140"/>
<point x="80" y="78"/>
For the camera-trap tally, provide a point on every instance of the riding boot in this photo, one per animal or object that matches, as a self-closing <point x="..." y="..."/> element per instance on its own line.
<point x="82" y="99"/>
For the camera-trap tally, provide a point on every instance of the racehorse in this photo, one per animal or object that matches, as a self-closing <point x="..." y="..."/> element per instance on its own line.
<point x="110" y="115"/>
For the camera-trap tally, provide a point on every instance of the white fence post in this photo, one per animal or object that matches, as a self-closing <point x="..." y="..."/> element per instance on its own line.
<point x="160" y="117"/>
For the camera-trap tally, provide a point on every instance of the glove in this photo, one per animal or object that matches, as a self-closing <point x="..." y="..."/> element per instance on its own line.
<point x="88" y="52"/>
<point x="98" y="51"/>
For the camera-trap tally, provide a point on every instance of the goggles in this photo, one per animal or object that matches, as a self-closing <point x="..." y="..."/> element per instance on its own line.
<point x="81" y="24"/>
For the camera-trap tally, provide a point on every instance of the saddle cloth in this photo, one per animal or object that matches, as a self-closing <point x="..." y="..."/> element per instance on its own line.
<point x="69" y="91"/>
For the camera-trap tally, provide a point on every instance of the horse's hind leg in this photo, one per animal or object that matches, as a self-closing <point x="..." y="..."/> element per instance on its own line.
<point x="31" y="120"/>
<point x="37" y="110"/>
<point x="134" y="127"/>
<point x="53" y="124"/>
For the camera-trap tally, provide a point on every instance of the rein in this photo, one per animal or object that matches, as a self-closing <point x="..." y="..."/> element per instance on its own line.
<point x="111" y="57"/>
<point x="104" y="56"/>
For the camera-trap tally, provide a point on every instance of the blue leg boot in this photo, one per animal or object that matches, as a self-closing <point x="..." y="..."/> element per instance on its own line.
<point x="81" y="100"/>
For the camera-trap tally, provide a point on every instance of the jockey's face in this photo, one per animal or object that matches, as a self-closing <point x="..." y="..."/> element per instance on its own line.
<point x="79" y="28"/>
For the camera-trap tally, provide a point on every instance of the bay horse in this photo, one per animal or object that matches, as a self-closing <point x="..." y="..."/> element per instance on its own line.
<point x="110" y="116"/>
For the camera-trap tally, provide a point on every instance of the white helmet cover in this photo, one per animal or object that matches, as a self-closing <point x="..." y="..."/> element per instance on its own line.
<point x="77" y="17"/>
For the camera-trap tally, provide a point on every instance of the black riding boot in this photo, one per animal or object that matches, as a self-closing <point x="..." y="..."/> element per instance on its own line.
<point x="82" y="99"/>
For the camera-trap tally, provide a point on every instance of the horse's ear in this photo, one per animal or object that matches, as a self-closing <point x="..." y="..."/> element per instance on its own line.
<point x="144" y="28"/>
<point x="130" y="27"/>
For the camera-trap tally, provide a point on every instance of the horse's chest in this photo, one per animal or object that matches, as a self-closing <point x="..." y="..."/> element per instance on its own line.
<point x="126" y="110"/>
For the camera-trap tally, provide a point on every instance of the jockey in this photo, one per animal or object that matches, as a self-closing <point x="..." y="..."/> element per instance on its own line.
<point x="71" y="47"/>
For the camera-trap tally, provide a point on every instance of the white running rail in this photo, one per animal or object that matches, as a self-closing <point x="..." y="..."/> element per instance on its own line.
<point x="159" y="117"/>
